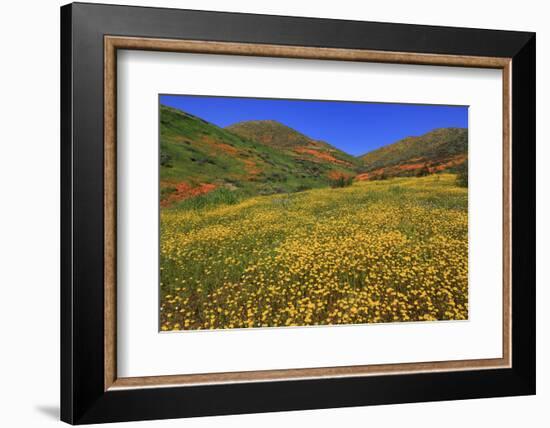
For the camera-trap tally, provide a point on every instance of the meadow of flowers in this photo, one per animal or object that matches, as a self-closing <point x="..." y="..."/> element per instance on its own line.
<point x="378" y="251"/>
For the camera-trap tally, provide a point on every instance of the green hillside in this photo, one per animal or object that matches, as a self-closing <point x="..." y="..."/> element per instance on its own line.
<point x="282" y="137"/>
<point x="270" y="132"/>
<point x="264" y="157"/>
<point x="440" y="149"/>
<point x="197" y="157"/>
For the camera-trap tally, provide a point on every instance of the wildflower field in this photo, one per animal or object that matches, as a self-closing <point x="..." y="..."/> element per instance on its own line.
<point x="376" y="251"/>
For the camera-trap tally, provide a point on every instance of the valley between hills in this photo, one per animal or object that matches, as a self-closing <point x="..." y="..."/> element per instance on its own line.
<point x="266" y="157"/>
<point x="262" y="226"/>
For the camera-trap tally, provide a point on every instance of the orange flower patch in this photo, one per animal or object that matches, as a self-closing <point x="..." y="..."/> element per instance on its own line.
<point x="433" y="166"/>
<point x="251" y="167"/>
<point x="320" y="155"/>
<point x="335" y="175"/>
<point x="369" y="175"/>
<point x="226" y="148"/>
<point x="185" y="191"/>
<point x="457" y="160"/>
<point x="218" y="147"/>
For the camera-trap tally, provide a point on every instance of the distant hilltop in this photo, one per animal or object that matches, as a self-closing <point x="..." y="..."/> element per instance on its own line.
<point x="438" y="150"/>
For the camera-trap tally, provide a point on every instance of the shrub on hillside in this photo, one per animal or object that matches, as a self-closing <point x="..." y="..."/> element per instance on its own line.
<point x="424" y="171"/>
<point x="165" y="160"/>
<point x="341" y="181"/>
<point x="382" y="176"/>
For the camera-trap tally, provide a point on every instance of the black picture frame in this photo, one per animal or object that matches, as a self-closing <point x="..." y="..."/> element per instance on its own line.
<point x="83" y="398"/>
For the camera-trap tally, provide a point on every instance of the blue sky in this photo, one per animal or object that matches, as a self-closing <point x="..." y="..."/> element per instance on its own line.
<point x="353" y="127"/>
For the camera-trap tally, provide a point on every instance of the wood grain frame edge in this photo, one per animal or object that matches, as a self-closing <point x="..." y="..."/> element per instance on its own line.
<point x="110" y="190"/>
<point x="112" y="43"/>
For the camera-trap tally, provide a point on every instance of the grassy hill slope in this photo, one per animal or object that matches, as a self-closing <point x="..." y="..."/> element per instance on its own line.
<point x="282" y="137"/>
<point x="440" y="149"/>
<point x="198" y="157"/>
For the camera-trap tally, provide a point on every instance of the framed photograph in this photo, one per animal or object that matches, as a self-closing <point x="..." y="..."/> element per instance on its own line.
<point x="267" y="213"/>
